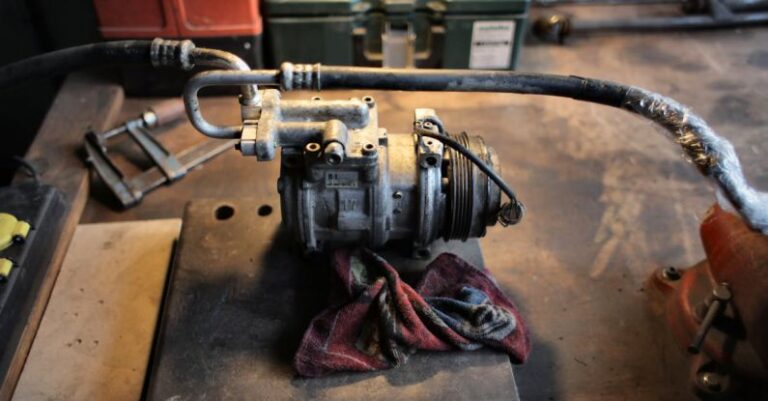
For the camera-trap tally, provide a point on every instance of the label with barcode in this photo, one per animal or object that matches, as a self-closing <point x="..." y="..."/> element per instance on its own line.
<point x="492" y="43"/>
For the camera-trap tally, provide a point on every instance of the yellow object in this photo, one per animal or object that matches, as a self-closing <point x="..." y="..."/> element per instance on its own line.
<point x="12" y="229"/>
<point x="5" y="267"/>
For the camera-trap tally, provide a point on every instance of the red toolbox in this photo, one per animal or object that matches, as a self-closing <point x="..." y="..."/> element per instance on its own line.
<point x="232" y="25"/>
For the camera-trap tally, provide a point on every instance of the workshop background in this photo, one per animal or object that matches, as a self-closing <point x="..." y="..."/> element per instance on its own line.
<point x="610" y="199"/>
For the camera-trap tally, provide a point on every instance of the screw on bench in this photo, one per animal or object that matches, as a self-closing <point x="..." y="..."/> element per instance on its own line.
<point x="721" y="295"/>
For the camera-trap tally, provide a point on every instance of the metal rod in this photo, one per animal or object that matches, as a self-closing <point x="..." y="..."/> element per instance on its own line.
<point x="706" y="324"/>
<point x="552" y="3"/>
<point x="666" y="23"/>
<point x="721" y="294"/>
<point x="220" y="78"/>
<point x="226" y="60"/>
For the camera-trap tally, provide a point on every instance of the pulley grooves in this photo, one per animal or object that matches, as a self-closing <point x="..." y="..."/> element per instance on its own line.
<point x="472" y="199"/>
<point x="460" y="192"/>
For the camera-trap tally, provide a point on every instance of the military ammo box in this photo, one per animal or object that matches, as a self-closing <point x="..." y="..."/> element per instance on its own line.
<point x="482" y="34"/>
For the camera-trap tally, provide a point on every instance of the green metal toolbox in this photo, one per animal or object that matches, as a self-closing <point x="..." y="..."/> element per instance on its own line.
<point x="482" y="34"/>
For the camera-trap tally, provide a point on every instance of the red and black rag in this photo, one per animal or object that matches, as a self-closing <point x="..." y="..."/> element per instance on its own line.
<point x="376" y="320"/>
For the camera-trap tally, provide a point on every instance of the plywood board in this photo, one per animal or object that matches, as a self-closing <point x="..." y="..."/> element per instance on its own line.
<point x="96" y="335"/>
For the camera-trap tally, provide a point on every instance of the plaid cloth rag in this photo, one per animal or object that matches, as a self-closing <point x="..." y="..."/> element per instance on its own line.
<point x="376" y="320"/>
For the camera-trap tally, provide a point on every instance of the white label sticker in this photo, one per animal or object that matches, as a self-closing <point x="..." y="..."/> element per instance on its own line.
<point x="492" y="43"/>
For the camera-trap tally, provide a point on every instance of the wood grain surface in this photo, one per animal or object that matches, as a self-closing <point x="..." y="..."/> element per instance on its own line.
<point x="95" y="338"/>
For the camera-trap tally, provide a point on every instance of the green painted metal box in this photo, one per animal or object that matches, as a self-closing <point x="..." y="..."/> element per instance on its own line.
<point x="482" y="34"/>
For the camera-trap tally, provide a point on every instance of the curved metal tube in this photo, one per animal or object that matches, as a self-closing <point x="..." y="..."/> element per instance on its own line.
<point x="219" y="78"/>
<point x="714" y="155"/>
<point x="226" y="60"/>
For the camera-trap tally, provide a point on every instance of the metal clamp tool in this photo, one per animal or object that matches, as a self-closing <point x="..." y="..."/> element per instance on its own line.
<point x="168" y="167"/>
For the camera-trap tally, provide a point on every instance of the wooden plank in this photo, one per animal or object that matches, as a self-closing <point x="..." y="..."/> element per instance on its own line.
<point x="84" y="101"/>
<point x="96" y="335"/>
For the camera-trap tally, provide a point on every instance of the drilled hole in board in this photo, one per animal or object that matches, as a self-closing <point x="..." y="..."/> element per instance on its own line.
<point x="265" y="210"/>
<point x="224" y="212"/>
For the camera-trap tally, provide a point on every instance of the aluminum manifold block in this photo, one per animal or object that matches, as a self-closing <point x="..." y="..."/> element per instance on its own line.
<point x="345" y="180"/>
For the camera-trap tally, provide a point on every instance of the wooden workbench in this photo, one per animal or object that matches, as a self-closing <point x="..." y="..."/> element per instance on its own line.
<point x="609" y="198"/>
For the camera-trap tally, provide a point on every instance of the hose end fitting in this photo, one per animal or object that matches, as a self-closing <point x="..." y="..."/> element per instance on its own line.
<point x="171" y="53"/>
<point x="333" y="154"/>
<point x="299" y="76"/>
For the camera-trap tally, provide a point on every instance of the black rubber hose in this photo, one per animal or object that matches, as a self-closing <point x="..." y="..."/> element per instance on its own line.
<point x="591" y="90"/>
<point x="74" y="58"/>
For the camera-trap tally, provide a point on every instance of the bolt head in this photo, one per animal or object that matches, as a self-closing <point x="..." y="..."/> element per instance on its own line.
<point x="671" y="273"/>
<point x="722" y="292"/>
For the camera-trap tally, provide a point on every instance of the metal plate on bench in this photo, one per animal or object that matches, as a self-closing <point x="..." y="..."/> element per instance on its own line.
<point x="239" y="299"/>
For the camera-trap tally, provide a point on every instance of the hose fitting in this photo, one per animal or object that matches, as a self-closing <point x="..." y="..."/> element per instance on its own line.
<point x="171" y="53"/>
<point x="299" y="76"/>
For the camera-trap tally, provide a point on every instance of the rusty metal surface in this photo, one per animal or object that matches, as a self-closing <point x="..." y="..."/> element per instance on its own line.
<point x="716" y="309"/>
<point x="603" y="212"/>
<point x="240" y="299"/>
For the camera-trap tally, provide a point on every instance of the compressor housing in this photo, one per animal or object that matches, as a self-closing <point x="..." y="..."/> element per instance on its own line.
<point x="344" y="179"/>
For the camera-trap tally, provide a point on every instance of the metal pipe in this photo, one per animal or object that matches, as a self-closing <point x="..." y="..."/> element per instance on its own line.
<point x="354" y="113"/>
<point x="733" y="5"/>
<point x="746" y="5"/>
<point x="666" y="23"/>
<point x="226" y="60"/>
<point x="220" y="78"/>
<point x="552" y="3"/>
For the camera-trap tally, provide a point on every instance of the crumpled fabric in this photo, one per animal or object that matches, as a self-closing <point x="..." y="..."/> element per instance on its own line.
<point x="376" y="321"/>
